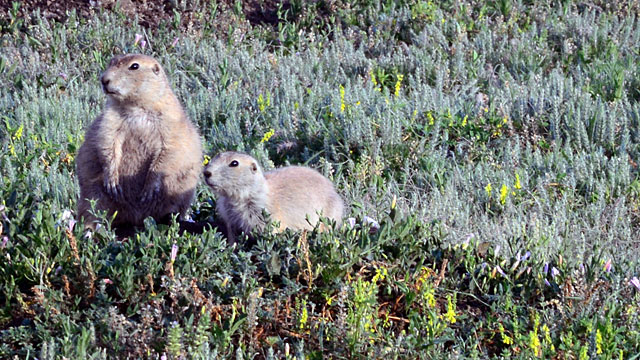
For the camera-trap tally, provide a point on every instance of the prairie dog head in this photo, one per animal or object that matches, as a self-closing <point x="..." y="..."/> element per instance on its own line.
<point x="233" y="174"/>
<point x="134" y="78"/>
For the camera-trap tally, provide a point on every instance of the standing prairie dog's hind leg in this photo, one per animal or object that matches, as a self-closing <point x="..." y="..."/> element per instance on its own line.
<point x="231" y="236"/>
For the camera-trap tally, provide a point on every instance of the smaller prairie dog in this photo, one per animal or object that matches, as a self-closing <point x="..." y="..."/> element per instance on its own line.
<point x="295" y="196"/>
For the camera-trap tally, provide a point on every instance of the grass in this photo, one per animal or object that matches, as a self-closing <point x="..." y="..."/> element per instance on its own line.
<point x="496" y="145"/>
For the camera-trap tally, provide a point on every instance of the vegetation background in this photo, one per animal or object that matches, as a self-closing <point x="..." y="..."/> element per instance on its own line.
<point x="488" y="151"/>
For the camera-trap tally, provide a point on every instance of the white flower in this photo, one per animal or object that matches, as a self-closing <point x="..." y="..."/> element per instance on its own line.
<point x="174" y="252"/>
<point x="371" y="221"/>
<point x="66" y="215"/>
<point x="466" y="241"/>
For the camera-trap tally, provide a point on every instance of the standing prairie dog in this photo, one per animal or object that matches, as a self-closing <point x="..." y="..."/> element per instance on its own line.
<point x="295" y="196"/>
<point x="141" y="156"/>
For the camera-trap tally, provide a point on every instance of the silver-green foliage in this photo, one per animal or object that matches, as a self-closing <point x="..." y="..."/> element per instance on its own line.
<point x="553" y="103"/>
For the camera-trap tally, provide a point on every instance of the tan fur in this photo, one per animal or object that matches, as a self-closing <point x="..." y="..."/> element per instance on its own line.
<point x="294" y="196"/>
<point x="142" y="156"/>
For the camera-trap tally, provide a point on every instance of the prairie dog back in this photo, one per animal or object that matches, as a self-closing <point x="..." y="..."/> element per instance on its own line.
<point x="298" y="194"/>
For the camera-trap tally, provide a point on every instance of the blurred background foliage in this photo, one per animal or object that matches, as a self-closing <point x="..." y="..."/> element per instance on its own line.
<point x="494" y="143"/>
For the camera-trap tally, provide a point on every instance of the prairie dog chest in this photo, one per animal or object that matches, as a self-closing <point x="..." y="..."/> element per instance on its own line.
<point x="141" y="142"/>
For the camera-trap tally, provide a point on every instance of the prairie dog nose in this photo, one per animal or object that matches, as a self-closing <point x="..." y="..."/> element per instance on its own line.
<point x="207" y="173"/>
<point x="104" y="81"/>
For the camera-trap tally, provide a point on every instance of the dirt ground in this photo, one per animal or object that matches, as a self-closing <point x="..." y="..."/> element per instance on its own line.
<point x="150" y="13"/>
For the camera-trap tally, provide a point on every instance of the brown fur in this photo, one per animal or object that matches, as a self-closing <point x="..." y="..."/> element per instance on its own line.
<point x="292" y="196"/>
<point x="142" y="156"/>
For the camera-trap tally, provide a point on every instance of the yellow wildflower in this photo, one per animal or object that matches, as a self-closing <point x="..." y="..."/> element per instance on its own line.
<point x="398" y="83"/>
<point x="534" y="342"/>
<point x="374" y="81"/>
<point x="487" y="189"/>
<point x="598" y="342"/>
<point x="18" y="134"/>
<point x="584" y="353"/>
<point x="262" y="104"/>
<point x="547" y="337"/>
<point x="342" y="105"/>
<point x="305" y="316"/>
<point x="517" y="185"/>
<point x="267" y="136"/>
<point x="381" y="274"/>
<point x="464" y="121"/>
<point x="206" y="160"/>
<point x="451" y="311"/>
<point x="429" y="297"/>
<point x="504" y="191"/>
<point x="430" y="118"/>
<point x="506" y="339"/>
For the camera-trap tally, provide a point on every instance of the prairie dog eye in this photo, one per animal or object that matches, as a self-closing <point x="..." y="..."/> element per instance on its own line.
<point x="134" y="66"/>
<point x="234" y="163"/>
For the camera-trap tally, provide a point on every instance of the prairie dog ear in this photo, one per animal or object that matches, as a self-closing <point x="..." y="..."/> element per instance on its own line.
<point x="114" y="60"/>
<point x="156" y="69"/>
<point x="254" y="167"/>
